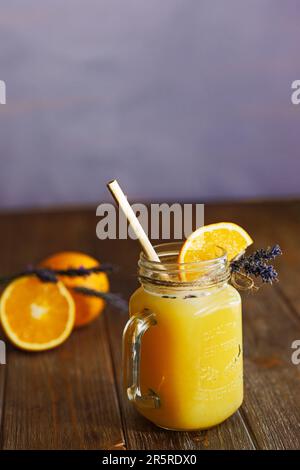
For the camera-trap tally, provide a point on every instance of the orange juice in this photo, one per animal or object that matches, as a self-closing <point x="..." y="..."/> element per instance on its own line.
<point x="186" y="341"/>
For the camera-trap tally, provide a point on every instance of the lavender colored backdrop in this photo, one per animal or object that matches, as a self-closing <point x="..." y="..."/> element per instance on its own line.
<point x="176" y="98"/>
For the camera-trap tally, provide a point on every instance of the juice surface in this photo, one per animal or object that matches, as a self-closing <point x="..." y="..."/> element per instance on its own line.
<point x="192" y="357"/>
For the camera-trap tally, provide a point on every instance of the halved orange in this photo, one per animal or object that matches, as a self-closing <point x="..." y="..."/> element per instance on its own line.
<point x="201" y="244"/>
<point x="36" y="315"/>
<point x="87" y="308"/>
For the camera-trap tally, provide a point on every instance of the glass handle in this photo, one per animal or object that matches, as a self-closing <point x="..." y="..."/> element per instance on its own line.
<point x="132" y="340"/>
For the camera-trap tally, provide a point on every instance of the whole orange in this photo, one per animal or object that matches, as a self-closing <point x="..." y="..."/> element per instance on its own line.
<point x="86" y="308"/>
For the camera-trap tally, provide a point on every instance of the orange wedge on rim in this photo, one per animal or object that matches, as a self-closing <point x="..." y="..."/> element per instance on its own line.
<point x="36" y="315"/>
<point x="201" y="244"/>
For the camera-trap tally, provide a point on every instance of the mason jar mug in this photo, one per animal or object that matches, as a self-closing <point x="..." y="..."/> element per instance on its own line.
<point x="182" y="346"/>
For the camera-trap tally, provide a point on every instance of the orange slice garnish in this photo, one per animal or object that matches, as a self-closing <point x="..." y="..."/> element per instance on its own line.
<point x="36" y="315"/>
<point x="202" y="244"/>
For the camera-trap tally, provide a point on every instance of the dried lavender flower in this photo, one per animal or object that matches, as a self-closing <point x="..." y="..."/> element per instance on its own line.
<point x="51" y="275"/>
<point x="257" y="265"/>
<point x="268" y="254"/>
<point x="112" y="298"/>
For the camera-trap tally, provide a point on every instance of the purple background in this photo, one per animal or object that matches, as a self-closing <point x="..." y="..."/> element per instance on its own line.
<point x="176" y="98"/>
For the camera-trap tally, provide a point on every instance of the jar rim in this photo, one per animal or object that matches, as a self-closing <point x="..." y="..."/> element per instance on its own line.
<point x="169" y="272"/>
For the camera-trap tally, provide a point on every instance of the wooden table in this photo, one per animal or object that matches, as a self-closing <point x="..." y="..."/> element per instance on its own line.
<point x="71" y="397"/>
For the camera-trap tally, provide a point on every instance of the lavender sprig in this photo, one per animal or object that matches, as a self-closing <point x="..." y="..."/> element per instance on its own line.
<point x="257" y="265"/>
<point x="51" y="275"/>
<point x="112" y="298"/>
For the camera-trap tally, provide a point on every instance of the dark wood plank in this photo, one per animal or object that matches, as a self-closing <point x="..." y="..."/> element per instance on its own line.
<point x="140" y="433"/>
<point x="65" y="398"/>
<point x="269" y="418"/>
<point x="3" y="369"/>
<point x="284" y="224"/>
<point x="272" y="402"/>
<point x="269" y="327"/>
<point x="6" y="226"/>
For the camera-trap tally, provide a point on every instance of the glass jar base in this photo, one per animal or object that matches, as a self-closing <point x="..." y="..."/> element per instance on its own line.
<point x="188" y="429"/>
<point x="195" y="429"/>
